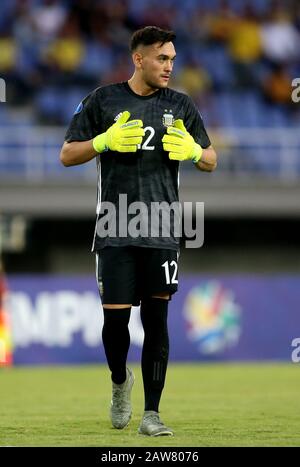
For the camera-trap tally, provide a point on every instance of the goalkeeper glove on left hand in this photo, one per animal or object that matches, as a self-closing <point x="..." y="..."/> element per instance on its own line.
<point x="180" y="144"/>
<point x="122" y="136"/>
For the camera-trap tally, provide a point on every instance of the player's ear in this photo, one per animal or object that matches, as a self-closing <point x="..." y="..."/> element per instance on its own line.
<point x="137" y="59"/>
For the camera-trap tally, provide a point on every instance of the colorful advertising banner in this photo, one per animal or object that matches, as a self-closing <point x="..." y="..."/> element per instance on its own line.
<point x="58" y="319"/>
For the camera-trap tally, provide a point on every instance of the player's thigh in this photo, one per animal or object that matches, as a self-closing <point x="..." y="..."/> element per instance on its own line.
<point x="116" y="276"/>
<point x="160" y="277"/>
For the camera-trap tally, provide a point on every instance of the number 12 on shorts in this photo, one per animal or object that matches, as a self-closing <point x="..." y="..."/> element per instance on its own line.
<point x="167" y="267"/>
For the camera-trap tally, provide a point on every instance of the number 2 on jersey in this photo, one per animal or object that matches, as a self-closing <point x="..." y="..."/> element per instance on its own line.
<point x="167" y="267"/>
<point x="145" y="146"/>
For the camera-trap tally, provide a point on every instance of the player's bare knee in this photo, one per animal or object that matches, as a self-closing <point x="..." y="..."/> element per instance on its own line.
<point x="116" y="306"/>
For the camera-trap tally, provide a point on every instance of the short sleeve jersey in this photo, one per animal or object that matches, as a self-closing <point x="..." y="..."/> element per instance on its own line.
<point x="137" y="182"/>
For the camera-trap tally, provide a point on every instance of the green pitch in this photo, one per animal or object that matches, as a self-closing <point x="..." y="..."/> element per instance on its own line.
<point x="206" y="405"/>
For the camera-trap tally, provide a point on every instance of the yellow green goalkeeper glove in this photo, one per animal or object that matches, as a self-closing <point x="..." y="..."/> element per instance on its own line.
<point x="122" y="136"/>
<point x="180" y="144"/>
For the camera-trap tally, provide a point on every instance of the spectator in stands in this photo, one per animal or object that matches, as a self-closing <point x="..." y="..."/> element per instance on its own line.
<point x="48" y="18"/>
<point x="8" y="55"/>
<point x="221" y="23"/>
<point x="67" y="50"/>
<point x="280" y="38"/>
<point x="195" y="81"/>
<point x="245" y="48"/>
<point x="277" y="88"/>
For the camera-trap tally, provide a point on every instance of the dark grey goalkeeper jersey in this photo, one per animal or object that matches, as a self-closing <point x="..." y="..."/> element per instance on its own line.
<point x="148" y="176"/>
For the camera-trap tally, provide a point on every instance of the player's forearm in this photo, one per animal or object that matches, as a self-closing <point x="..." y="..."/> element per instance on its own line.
<point x="77" y="152"/>
<point x="208" y="161"/>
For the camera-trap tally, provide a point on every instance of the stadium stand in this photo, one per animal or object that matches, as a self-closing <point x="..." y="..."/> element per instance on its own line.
<point x="55" y="52"/>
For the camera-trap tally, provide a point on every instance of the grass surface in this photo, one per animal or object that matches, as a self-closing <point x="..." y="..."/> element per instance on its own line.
<point x="206" y="405"/>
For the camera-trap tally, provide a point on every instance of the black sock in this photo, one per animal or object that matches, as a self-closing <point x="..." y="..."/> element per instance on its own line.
<point x="155" y="354"/>
<point x="116" y="341"/>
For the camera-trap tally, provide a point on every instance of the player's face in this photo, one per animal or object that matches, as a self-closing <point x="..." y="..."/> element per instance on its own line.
<point x="156" y="64"/>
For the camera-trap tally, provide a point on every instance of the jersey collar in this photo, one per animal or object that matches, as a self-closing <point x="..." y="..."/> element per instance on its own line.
<point x="151" y="96"/>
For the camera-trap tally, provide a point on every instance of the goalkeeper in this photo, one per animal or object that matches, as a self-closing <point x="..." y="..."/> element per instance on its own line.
<point x="138" y="131"/>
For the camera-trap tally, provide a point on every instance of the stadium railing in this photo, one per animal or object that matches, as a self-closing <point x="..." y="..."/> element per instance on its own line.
<point x="32" y="153"/>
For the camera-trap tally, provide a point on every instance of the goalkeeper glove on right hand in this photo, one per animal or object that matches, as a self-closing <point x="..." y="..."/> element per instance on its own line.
<point x="122" y="136"/>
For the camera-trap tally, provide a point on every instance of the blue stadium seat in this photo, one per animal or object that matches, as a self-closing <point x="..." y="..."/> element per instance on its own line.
<point x="4" y="115"/>
<point x="97" y="60"/>
<point x="278" y="117"/>
<point x="223" y="106"/>
<point x="217" y="63"/>
<point x="48" y="102"/>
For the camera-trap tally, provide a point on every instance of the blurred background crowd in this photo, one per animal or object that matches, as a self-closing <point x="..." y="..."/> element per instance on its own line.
<point x="235" y="58"/>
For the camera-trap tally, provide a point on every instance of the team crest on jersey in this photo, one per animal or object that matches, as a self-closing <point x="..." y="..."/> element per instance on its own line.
<point x="168" y="118"/>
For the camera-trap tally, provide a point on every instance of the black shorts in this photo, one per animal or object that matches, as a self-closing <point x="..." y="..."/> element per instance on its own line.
<point x="129" y="274"/>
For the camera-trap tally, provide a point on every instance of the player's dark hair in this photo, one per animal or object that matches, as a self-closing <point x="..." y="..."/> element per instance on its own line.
<point x="150" y="35"/>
